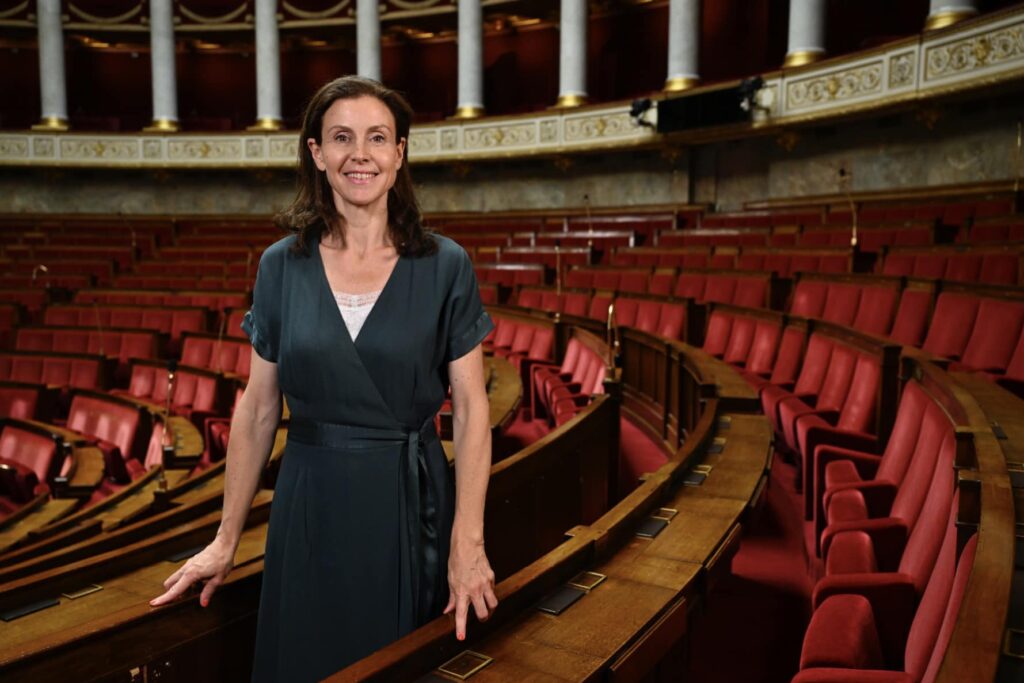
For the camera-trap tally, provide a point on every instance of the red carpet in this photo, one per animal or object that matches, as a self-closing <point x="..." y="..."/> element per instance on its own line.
<point x="753" y="627"/>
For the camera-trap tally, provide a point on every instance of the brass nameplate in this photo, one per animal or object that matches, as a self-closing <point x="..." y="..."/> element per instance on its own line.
<point x="464" y="664"/>
<point x="702" y="468"/>
<point x="88" y="590"/>
<point x="665" y="513"/>
<point x="587" y="580"/>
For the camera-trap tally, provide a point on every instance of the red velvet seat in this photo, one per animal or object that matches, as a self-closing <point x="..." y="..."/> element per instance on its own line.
<point x="838" y="468"/>
<point x="661" y="282"/>
<point x="963" y="267"/>
<point x="828" y="400"/>
<point x="529" y="298"/>
<point x="672" y="321"/>
<point x="869" y="637"/>
<point x="809" y="298"/>
<point x="716" y="338"/>
<point x="808" y="382"/>
<point x="951" y="324"/>
<point x="20" y="400"/>
<point x="626" y="310"/>
<point x="912" y="315"/>
<point x="763" y="349"/>
<point x="38" y="453"/>
<point x="876" y="310"/>
<point x="997" y="329"/>
<point x="1000" y="269"/>
<point x="690" y="286"/>
<point x="120" y="430"/>
<point x="751" y="292"/>
<point x="841" y="303"/>
<point x="720" y="288"/>
<point x="741" y="337"/>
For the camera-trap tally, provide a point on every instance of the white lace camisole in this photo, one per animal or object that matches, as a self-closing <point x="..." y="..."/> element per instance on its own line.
<point x="355" y="308"/>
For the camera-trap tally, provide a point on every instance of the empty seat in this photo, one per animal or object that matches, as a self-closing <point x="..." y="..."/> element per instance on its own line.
<point x="809" y="298"/>
<point x="876" y="310"/>
<point x="841" y="303"/>
<point x="120" y="429"/>
<point x="997" y="328"/>
<point x="951" y="324"/>
<point x="911" y="321"/>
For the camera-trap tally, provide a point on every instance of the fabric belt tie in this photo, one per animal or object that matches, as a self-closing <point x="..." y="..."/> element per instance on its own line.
<point x="419" y="539"/>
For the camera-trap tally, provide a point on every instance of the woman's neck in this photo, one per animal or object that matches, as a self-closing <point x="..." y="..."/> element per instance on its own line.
<point x="365" y="228"/>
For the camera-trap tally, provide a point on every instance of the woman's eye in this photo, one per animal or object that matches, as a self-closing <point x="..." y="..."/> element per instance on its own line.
<point x="378" y="139"/>
<point x="341" y="138"/>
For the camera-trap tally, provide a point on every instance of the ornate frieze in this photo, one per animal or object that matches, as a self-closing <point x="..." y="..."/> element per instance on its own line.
<point x="981" y="51"/>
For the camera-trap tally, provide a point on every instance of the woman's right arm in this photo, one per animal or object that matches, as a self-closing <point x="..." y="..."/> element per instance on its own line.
<point x="253" y="427"/>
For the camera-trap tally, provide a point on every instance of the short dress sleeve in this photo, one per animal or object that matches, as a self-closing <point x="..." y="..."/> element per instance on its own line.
<point x="468" y="322"/>
<point x="262" y="323"/>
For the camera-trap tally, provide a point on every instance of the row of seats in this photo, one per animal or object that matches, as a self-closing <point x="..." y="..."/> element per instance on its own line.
<point x="231" y="355"/>
<point x="864" y="306"/>
<point x="71" y="370"/>
<point x="782" y="262"/>
<point x="519" y="340"/>
<point x="194" y="393"/>
<point x="120" y="428"/>
<point x="560" y="391"/>
<point x="27" y="401"/>
<point x="889" y="544"/>
<point x="124" y="345"/>
<point x="984" y="266"/>
<point x="172" y="321"/>
<point x="213" y="300"/>
<point x="122" y="256"/>
<point x="190" y="282"/>
<point x="665" y="318"/>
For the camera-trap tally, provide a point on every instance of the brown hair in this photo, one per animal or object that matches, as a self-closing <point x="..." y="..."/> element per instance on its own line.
<point x="313" y="210"/>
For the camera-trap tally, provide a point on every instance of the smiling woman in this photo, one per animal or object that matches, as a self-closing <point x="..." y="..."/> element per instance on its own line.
<point x="366" y="518"/>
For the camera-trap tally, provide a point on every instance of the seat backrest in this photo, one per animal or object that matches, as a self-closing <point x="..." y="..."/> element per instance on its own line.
<point x="505" y="333"/>
<point x="835" y="387"/>
<point x="626" y="310"/>
<point x="999" y="269"/>
<point x="196" y="351"/>
<point x="994" y="337"/>
<point x="951" y="324"/>
<point x="930" y="265"/>
<point x="911" y="322"/>
<point x="841" y="303"/>
<point x="31" y="449"/>
<point x="963" y="267"/>
<point x="572" y="356"/>
<point x="875" y="310"/>
<point x="741" y="337"/>
<point x="809" y="298"/>
<point x="599" y="307"/>
<point x="672" y="320"/>
<point x="764" y="346"/>
<point x="720" y="289"/>
<point x="530" y="298"/>
<point x="898" y="264"/>
<point x="815" y="365"/>
<point x="605" y="279"/>
<point x="691" y="286"/>
<point x="106" y="420"/>
<point x="542" y="343"/>
<point x="905" y="430"/>
<point x="716" y="338"/>
<point x="634" y="281"/>
<point x="648" y="312"/>
<point x="551" y="300"/>
<point x="661" y="283"/>
<point x="926" y="535"/>
<point x="858" y="413"/>
<point x="19" y="402"/>
<point x="912" y="490"/>
<point x="952" y="609"/>
<point x="575" y="303"/>
<point x="751" y="292"/>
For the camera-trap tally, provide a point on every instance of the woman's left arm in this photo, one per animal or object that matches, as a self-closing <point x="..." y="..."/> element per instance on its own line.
<point x="470" y="578"/>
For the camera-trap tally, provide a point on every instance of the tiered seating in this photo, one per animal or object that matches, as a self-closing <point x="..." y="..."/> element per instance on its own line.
<point x="787" y="262"/>
<point x="213" y="300"/>
<point x="727" y="287"/>
<point x="510" y="274"/>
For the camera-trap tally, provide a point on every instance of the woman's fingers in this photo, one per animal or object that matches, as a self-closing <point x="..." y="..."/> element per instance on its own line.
<point x="461" y="611"/>
<point x="208" y="589"/>
<point x="480" y="607"/>
<point x="451" y="603"/>
<point x="490" y="597"/>
<point x="173" y="578"/>
<point x="175" y="591"/>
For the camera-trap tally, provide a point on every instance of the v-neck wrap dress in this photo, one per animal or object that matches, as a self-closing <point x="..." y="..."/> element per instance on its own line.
<point x="360" y="526"/>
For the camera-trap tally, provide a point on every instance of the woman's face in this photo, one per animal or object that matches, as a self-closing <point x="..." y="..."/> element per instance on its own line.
<point x="360" y="152"/>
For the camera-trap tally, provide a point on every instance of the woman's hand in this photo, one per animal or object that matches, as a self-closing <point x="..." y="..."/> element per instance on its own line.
<point x="470" y="580"/>
<point x="210" y="566"/>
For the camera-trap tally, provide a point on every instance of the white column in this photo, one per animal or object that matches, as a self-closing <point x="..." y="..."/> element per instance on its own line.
<point x="943" y="13"/>
<point x="165" y="91"/>
<point x="572" y="67"/>
<point x="471" y="60"/>
<point x="683" y="45"/>
<point x="54" y="99"/>
<point x="806" y="32"/>
<point x="268" y="68"/>
<point x="368" y="39"/>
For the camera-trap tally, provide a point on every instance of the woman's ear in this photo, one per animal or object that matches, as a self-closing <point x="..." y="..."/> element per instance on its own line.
<point x="317" y="153"/>
<point x="401" y="153"/>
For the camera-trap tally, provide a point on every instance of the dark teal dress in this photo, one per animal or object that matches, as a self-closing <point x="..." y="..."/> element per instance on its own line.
<point x="357" y="548"/>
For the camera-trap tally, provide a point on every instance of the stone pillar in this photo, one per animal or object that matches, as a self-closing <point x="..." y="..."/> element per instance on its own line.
<point x="683" y="45"/>
<point x="572" y="71"/>
<point x="53" y="95"/>
<point x="943" y="13"/>
<point x="165" y="91"/>
<point x="471" y="60"/>
<point x="368" y="39"/>
<point x="806" y="32"/>
<point x="268" y="68"/>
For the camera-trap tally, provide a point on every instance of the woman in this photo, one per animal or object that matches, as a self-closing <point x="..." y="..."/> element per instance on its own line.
<point x="362" y="319"/>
